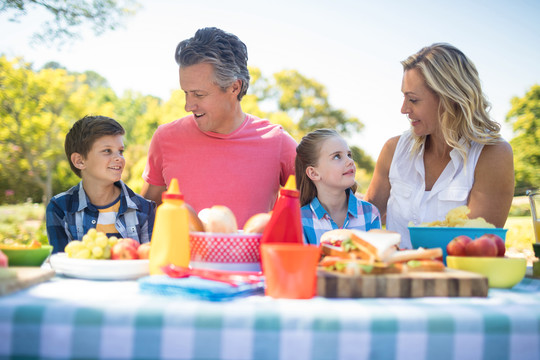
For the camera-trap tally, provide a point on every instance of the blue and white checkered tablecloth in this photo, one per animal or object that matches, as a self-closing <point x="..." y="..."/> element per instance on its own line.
<point x="79" y="319"/>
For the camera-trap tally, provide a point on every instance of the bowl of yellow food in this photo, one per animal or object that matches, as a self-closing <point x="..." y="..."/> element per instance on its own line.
<point x="456" y="223"/>
<point x="26" y="255"/>
<point x="502" y="272"/>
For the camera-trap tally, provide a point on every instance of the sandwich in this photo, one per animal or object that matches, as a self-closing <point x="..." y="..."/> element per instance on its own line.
<point x="355" y="252"/>
<point x="355" y="244"/>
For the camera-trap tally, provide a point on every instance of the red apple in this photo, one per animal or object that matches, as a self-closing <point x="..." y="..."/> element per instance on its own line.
<point x="481" y="247"/>
<point x="144" y="251"/>
<point x="3" y="259"/>
<point x="123" y="250"/>
<point x="130" y="241"/>
<point x="456" y="247"/>
<point x="501" y="248"/>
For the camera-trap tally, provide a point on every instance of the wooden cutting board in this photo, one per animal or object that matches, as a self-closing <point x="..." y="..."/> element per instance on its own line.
<point x="451" y="283"/>
<point x="17" y="278"/>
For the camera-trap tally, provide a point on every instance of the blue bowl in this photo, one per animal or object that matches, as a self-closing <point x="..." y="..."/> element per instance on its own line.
<point x="434" y="236"/>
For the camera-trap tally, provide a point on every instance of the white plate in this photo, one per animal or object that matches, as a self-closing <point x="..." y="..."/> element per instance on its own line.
<point x="99" y="269"/>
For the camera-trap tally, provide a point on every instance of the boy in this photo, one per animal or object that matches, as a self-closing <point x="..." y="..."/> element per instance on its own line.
<point x="94" y="147"/>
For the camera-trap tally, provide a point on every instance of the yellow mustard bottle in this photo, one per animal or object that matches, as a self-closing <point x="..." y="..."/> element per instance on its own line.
<point x="170" y="237"/>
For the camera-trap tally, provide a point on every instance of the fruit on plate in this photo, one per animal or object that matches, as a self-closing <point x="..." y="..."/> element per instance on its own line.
<point x="456" y="247"/>
<point x="96" y="245"/>
<point x="34" y="244"/>
<point x="487" y="245"/>
<point x="125" y="249"/>
<point x="143" y="251"/>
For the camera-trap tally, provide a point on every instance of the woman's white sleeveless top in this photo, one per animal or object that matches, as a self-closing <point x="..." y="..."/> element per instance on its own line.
<point x="410" y="203"/>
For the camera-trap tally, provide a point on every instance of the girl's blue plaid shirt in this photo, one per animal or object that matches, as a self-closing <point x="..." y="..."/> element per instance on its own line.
<point x="361" y="215"/>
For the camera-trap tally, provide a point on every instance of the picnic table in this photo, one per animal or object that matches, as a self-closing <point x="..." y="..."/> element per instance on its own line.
<point x="67" y="318"/>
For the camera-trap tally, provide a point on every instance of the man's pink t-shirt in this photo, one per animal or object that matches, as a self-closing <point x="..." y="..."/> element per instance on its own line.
<point x="242" y="170"/>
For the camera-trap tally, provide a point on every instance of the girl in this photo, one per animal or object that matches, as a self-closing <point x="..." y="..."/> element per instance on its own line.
<point x="325" y="174"/>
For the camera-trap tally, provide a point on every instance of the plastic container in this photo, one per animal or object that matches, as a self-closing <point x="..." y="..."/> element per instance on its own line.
<point x="501" y="272"/>
<point x="285" y="225"/>
<point x="27" y="257"/>
<point x="170" y="237"/>
<point x="229" y="252"/>
<point x="435" y="236"/>
<point x="290" y="270"/>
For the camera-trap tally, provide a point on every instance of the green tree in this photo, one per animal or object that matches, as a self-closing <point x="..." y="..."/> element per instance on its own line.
<point x="137" y="114"/>
<point x="525" y="119"/>
<point x="36" y="111"/>
<point x="69" y="16"/>
<point x="306" y="102"/>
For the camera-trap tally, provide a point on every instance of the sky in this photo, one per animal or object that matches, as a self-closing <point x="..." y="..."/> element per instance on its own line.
<point x="352" y="47"/>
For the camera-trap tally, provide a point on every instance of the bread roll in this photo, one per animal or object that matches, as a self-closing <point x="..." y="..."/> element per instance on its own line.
<point x="416" y="254"/>
<point x="257" y="223"/>
<point x="218" y="219"/>
<point x="195" y="223"/>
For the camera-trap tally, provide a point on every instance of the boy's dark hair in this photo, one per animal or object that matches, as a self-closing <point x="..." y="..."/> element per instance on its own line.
<point x="85" y="132"/>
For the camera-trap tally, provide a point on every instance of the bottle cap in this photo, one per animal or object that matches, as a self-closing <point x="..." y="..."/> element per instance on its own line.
<point x="291" y="183"/>
<point x="290" y="187"/>
<point x="173" y="192"/>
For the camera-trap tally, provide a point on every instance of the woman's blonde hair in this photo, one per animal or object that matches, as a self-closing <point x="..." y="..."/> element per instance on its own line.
<point x="307" y="154"/>
<point x="463" y="107"/>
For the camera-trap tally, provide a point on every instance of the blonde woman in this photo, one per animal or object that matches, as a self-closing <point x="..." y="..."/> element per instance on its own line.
<point x="452" y="155"/>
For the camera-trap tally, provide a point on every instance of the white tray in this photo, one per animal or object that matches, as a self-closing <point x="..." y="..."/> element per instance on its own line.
<point x="99" y="269"/>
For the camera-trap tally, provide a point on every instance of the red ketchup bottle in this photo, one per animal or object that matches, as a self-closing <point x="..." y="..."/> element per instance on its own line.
<point x="285" y="225"/>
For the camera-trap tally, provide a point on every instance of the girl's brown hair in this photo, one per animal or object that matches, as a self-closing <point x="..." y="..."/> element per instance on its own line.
<point x="307" y="154"/>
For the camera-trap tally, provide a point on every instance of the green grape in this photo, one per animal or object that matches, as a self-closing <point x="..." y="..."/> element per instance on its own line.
<point x="82" y="254"/>
<point x="112" y="241"/>
<point x="97" y="252"/>
<point x="92" y="233"/>
<point x="87" y="239"/>
<point x="73" y="247"/>
<point x="90" y="245"/>
<point x="102" y="241"/>
<point x="107" y="252"/>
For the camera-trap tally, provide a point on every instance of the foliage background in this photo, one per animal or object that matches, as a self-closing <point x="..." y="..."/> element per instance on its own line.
<point x="39" y="106"/>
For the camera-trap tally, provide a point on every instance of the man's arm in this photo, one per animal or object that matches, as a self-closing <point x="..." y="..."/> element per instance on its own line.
<point x="153" y="192"/>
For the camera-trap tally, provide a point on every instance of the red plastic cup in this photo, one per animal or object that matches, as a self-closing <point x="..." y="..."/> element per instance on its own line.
<point x="290" y="270"/>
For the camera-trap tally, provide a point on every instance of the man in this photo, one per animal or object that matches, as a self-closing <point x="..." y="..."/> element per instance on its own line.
<point x="219" y="154"/>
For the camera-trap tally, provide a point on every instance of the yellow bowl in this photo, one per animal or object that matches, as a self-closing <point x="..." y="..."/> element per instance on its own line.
<point x="501" y="272"/>
<point x="28" y="257"/>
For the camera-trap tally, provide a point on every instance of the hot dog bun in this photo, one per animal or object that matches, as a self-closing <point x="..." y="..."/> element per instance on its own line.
<point x="257" y="223"/>
<point x="218" y="219"/>
<point x="424" y="266"/>
<point x="416" y="254"/>
<point x="195" y="223"/>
